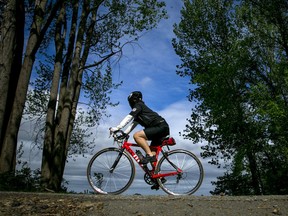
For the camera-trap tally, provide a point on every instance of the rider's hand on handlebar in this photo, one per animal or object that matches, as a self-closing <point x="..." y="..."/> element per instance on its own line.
<point x="122" y="136"/>
<point x="113" y="129"/>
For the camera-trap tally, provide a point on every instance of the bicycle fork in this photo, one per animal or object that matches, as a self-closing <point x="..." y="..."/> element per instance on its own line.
<point x="116" y="161"/>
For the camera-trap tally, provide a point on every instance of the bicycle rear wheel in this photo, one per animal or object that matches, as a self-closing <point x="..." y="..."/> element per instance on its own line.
<point x="103" y="179"/>
<point x="188" y="181"/>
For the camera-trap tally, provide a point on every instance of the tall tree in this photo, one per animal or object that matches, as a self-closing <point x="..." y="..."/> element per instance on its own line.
<point x="42" y="18"/>
<point x="232" y="50"/>
<point x="88" y="37"/>
<point x="11" y="48"/>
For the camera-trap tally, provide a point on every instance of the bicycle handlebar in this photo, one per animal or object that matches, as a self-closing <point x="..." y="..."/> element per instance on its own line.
<point x="119" y="137"/>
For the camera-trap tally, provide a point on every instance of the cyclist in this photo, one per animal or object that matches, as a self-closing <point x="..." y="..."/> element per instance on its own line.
<point x="155" y="127"/>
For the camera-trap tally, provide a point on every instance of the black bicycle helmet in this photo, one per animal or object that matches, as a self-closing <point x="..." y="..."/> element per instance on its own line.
<point x="134" y="97"/>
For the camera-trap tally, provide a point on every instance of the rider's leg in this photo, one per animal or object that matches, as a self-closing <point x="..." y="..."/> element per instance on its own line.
<point x="154" y="143"/>
<point x="141" y="139"/>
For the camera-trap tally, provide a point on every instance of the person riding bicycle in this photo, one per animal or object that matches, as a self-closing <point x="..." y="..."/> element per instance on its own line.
<point x="155" y="126"/>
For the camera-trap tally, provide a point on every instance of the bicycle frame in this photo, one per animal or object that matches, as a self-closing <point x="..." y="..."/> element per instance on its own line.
<point x="127" y="146"/>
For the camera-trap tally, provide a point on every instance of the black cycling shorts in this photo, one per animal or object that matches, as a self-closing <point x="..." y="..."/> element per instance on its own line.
<point x="156" y="133"/>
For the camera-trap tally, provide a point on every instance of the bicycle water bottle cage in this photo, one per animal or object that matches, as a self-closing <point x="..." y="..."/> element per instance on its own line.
<point x="168" y="141"/>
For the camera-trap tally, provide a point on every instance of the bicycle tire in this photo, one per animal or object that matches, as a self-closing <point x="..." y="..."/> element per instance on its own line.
<point x="189" y="181"/>
<point x="102" y="179"/>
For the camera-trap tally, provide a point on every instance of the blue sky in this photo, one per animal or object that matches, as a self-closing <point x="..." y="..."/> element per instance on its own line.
<point x="149" y="67"/>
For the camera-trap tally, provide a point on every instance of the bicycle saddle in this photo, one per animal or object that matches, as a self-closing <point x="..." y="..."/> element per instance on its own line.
<point x="168" y="141"/>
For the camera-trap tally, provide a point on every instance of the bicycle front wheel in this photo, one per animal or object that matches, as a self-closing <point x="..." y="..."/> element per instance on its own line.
<point x="185" y="183"/>
<point x="104" y="178"/>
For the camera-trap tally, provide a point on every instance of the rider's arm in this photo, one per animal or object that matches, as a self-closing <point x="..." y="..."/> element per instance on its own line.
<point x="124" y="122"/>
<point x="127" y="119"/>
<point x="131" y="127"/>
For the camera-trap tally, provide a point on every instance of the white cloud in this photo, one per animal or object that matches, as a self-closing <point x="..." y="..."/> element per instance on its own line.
<point x="146" y="82"/>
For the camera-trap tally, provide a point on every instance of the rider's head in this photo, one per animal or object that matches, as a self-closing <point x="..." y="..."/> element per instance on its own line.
<point x="134" y="97"/>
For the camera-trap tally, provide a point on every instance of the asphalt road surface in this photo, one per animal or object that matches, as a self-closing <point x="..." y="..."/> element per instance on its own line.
<point x="12" y="203"/>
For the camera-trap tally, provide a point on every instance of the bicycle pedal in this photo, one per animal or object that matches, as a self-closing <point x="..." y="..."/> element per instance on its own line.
<point x="163" y="180"/>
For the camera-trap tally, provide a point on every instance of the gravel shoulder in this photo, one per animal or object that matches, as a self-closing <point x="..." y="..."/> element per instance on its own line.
<point x="12" y="203"/>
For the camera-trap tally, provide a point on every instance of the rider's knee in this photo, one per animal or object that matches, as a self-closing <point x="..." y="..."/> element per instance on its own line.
<point x="139" y="135"/>
<point x="136" y="135"/>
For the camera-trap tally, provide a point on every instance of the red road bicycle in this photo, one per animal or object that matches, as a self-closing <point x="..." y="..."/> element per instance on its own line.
<point x="112" y="171"/>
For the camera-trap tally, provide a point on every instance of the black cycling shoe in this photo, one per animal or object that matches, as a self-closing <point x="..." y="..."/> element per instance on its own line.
<point x="156" y="185"/>
<point x="148" y="159"/>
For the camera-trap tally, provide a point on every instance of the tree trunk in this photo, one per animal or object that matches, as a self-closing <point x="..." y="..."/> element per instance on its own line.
<point x="11" y="49"/>
<point x="8" y="29"/>
<point x="51" y="170"/>
<point x="254" y="173"/>
<point x="37" y="32"/>
<point x="62" y="132"/>
<point x="47" y="163"/>
<point x="78" y="83"/>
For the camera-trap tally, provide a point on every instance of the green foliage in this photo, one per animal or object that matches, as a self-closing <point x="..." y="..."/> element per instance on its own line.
<point x="97" y="87"/>
<point x="22" y="180"/>
<point x="233" y="185"/>
<point x="25" y="180"/>
<point x="236" y="55"/>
